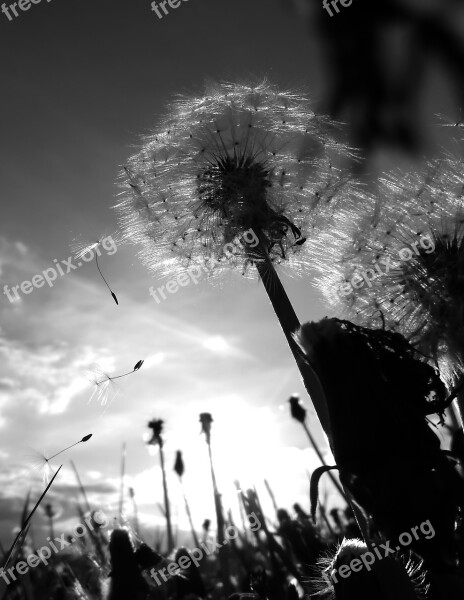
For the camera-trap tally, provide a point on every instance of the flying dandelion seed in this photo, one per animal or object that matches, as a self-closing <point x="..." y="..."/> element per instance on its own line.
<point x="104" y="385"/>
<point x="40" y="461"/>
<point x="81" y="249"/>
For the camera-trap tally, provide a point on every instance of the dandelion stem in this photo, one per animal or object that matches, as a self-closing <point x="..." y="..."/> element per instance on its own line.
<point x="167" y="508"/>
<point x="223" y="553"/>
<point x="289" y="322"/>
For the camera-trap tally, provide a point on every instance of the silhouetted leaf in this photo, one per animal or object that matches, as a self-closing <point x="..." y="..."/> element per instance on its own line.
<point x="314" y="487"/>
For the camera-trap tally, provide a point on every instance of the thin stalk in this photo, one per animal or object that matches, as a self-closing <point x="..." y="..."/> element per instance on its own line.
<point x="453" y="413"/>
<point x="52" y="531"/>
<point x="271" y="494"/>
<point x="81" y="487"/>
<point x="123" y="473"/>
<point x="167" y="509"/>
<point x="29" y="517"/>
<point x="460" y="406"/>
<point x="136" y="511"/>
<point x="189" y="515"/>
<point x="326" y="521"/>
<point x="223" y="553"/>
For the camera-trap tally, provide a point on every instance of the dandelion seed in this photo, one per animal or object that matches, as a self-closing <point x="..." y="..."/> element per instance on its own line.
<point x="104" y="385"/>
<point x="81" y="249"/>
<point x="41" y="462"/>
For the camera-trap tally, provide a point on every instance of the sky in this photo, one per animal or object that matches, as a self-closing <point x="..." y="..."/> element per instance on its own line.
<point x="80" y="82"/>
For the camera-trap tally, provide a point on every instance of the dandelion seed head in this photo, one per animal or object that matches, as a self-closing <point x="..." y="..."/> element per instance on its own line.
<point x="239" y="157"/>
<point x="416" y="224"/>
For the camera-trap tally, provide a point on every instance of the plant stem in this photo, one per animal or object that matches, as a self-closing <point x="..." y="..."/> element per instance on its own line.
<point x="460" y="405"/>
<point x="323" y="461"/>
<point x="81" y="487"/>
<point x="290" y="325"/>
<point x="123" y="472"/>
<point x="166" y="501"/>
<point x="189" y="515"/>
<point x="223" y="554"/>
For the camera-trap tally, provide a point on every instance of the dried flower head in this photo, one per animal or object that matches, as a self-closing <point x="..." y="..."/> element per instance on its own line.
<point x="156" y="425"/>
<point x="238" y="158"/>
<point x="49" y="511"/>
<point x="179" y="466"/>
<point x="297" y="410"/>
<point x="398" y="261"/>
<point x="206" y="420"/>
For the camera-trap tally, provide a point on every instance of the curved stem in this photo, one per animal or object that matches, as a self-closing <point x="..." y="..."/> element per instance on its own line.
<point x="323" y="461"/>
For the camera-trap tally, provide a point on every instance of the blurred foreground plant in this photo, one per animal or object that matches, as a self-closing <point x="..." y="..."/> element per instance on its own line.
<point x="388" y="457"/>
